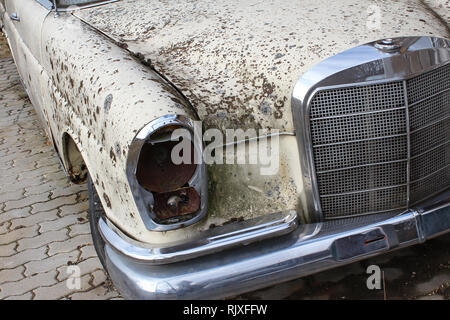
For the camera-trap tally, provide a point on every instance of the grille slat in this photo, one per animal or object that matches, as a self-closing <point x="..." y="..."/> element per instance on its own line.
<point x="427" y="84"/>
<point x="360" y="153"/>
<point x="430" y="137"/>
<point x="363" y="178"/>
<point x="360" y="144"/>
<point x="359" y="127"/>
<point x="436" y="107"/>
<point x="355" y="100"/>
<point x="436" y="159"/>
<point x="367" y="202"/>
<point x="423" y="189"/>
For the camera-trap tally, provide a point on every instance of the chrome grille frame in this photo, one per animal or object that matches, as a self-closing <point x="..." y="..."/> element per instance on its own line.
<point x="360" y="67"/>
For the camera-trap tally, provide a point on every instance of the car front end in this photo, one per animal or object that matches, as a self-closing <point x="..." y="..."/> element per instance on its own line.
<point x="231" y="146"/>
<point x="372" y="131"/>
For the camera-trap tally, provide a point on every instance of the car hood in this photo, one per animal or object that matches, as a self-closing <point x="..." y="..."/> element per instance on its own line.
<point x="237" y="61"/>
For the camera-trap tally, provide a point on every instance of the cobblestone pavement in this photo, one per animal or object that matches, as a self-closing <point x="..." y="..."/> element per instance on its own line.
<point x="44" y="229"/>
<point x="43" y="219"/>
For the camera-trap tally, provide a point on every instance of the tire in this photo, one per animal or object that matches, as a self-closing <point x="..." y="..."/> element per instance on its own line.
<point x="96" y="211"/>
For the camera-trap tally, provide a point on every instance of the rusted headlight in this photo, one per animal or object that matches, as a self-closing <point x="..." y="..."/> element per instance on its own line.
<point x="156" y="171"/>
<point x="169" y="194"/>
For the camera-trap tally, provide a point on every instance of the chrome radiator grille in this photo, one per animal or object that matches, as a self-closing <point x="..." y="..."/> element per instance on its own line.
<point x="381" y="147"/>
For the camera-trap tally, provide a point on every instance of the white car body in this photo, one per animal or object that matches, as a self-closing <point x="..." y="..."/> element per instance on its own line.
<point x="98" y="74"/>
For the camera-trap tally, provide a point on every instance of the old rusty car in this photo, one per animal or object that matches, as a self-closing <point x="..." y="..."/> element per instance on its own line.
<point x="356" y="95"/>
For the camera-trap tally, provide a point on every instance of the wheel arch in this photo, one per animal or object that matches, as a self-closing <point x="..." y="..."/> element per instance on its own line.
<point x="73" y="160"/>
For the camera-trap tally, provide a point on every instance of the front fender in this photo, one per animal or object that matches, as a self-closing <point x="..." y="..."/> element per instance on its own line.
<point x="101" y="96"/>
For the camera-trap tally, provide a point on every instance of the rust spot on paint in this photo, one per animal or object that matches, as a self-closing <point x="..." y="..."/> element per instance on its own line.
<point x="112" y="155"/>
<point x="108" y="202"/>
<point x="108" y="102"/>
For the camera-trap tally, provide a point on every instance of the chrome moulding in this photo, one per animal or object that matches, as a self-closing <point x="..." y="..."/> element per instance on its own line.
<point x="206" y="242"/>
<point x="373" y="128"/>
<point x="309" y="249"/>
<point x="69" y="6"/>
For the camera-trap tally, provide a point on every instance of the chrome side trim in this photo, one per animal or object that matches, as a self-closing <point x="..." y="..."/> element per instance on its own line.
<point x="359" y="66"/>
<point x="279" y="134"/>
<point x="309" y="249"/>
<point x="207" y="242"/>
<point x="143" y="197"/>
<point x="47" y="4"/>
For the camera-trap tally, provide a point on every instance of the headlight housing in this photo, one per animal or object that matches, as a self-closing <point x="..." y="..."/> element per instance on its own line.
<point x="168" y="195"/>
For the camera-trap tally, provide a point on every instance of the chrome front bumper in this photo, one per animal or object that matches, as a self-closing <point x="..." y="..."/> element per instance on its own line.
<point x="308" y="249"/>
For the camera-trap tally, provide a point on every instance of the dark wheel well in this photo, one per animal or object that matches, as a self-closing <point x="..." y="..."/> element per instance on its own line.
<point x="75" y="165"/>
<point x="96" y="211"/>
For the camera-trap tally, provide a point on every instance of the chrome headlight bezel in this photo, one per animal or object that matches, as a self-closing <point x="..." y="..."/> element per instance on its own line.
<point x="144" y="198"/>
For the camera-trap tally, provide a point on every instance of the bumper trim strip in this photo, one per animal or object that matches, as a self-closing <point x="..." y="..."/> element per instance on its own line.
<point x="309" y="249"/>
<point x="207" y="242"/>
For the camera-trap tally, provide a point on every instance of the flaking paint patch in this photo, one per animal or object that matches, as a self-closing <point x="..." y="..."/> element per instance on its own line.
<point x="107" y="201"/>
<point x="108" y="102"/>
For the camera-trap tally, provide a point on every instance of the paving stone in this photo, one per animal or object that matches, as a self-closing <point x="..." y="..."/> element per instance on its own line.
<point x="51" y="263"/>
<point x="60" y="192"/>
<point x="39" y="200"/>
<point x="10" y="275"/>
<point x="7" y="249"/>
<point x="77" y="229"/>
<point x="27" y="284"/>
<point x="19" y="234"/>
<point x="42" y="240"/>
<point x="87" y="266"/>
<point x="69" y="245"/>
<point x="58" y="223"/>
<point x="12" y="196"/>
<point x="52" y="204"/>
<point x="74" y="209"/>
<point x="88" y="252"/>
<point x="25" y="296"/>
<point x="51" y="185"/>
<point x="4" y="227"/>
<point x="98" y="293"/>
<point x="98" y="277"/>
<point x="22" y="257"/>
<point x="37" y="173"/>
<point x="41" y="218"/>
<point x="13" y="214"/>
<point x="61" y="289"/>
